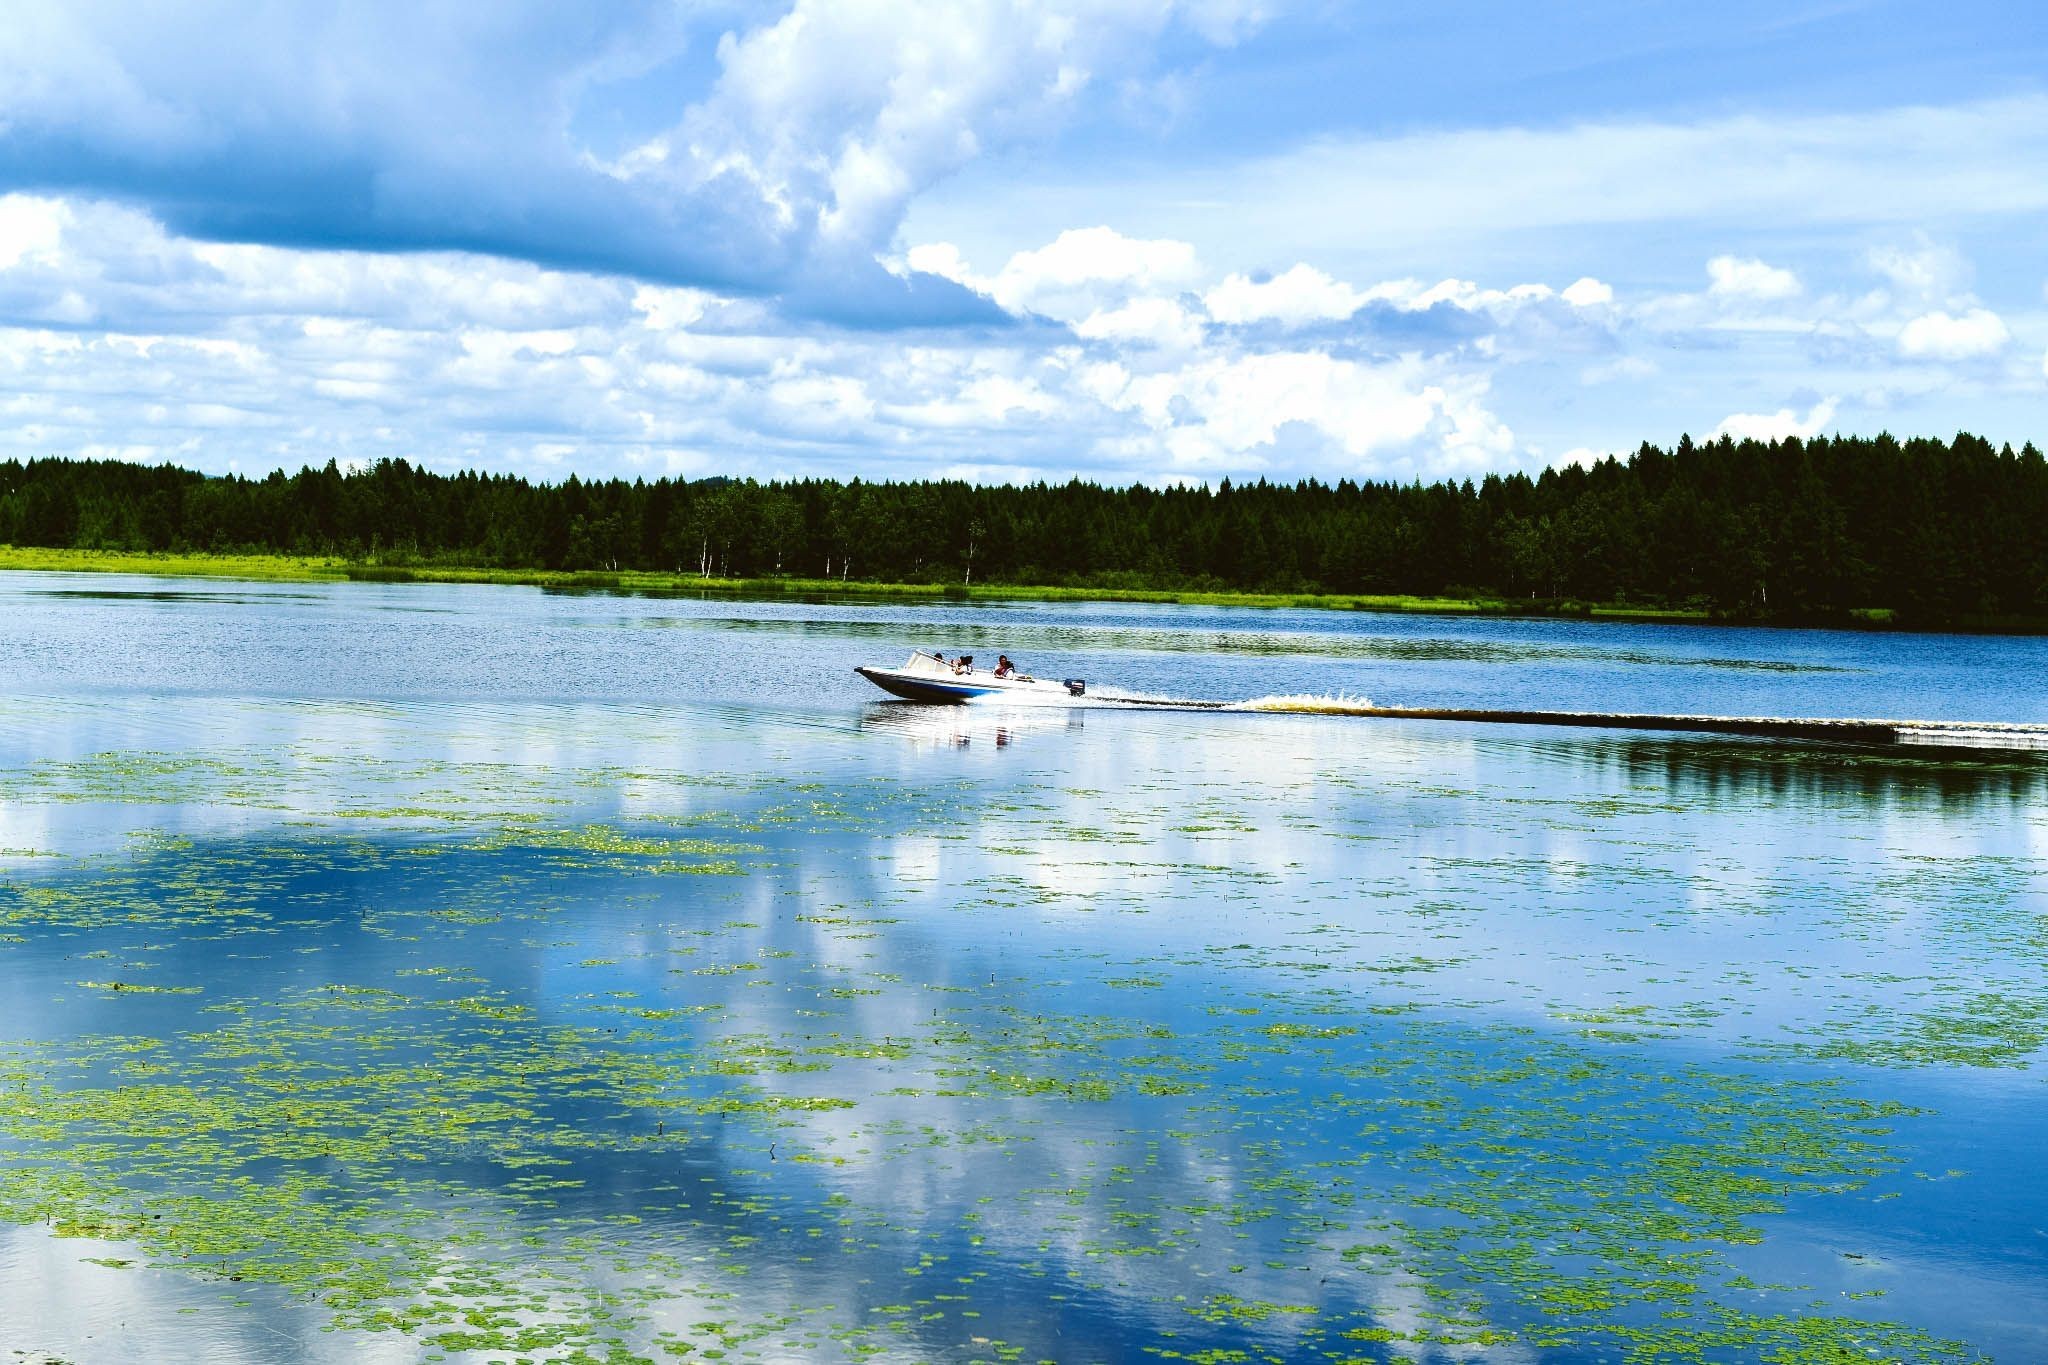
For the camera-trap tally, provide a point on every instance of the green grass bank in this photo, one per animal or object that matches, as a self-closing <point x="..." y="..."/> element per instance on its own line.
<point x="331" y="569"/>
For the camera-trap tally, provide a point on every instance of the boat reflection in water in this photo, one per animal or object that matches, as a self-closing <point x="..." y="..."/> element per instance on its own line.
<point x="962" y="727"/>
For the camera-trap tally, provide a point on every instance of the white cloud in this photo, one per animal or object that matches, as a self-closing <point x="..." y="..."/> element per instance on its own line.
<point x="1082" y="273"/>
<point x="823" y="402"/>
<point x="1219" y="412"/>
<point x="1750" y="280"/>
<point x="1082" y="267"/>
<point x="1152" y="322"/>
<point x="698" y="205"/>
<point x="572" y="136"/>
<point x="1865" y="343"/>
<point x="1587" y="293"/>
<point x="942" y="259"/>
<point x="842" y="109"/>
<point x="1295" y="296"/>
<point x="1469" y="296"/>
<point x="242" y="357"/>
<point x="988" y="401"/>
<point x="236" y="356"/>
<point x="1304" y="294"/>
<point x="29" y="227"/>
<point x="1942" y="336"/>
<point x="668" y="309"/>
<point x="1777" y="426"/>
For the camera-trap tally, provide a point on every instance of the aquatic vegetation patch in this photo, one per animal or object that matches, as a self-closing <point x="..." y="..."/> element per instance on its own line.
<point x="427" y="1164"/>
<point x="322" y="1143"/>
<point x="1984" y="1029"/>
<point x="598" y="845"/>
<point x="136" y="988"/>
<point x="549" y="1100"/>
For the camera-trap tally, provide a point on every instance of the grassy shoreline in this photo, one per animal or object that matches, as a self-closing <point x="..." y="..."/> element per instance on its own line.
<point x="333" y="569"/>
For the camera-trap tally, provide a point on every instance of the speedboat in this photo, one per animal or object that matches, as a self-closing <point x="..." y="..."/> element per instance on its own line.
<point x="927" y="677"/>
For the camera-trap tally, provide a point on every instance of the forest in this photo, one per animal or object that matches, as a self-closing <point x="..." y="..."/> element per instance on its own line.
<point x="1929" y="529"/>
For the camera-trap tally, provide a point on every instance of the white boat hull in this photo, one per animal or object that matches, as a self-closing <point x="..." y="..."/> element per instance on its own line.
<point x="926" y="679"/>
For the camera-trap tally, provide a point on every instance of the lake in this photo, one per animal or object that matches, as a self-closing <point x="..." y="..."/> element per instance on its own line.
<point x="413" y="972"/>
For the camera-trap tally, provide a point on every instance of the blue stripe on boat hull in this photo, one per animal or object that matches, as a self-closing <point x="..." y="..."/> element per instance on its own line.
<point x="921" y="689"/>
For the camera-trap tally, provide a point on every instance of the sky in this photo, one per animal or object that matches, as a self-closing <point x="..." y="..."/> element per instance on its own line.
<point x="1159" y="241"/>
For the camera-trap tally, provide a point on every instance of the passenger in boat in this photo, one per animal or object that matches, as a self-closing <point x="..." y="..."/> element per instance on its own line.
<point x="1004" y="668"/>
<point x="964" y="664"/>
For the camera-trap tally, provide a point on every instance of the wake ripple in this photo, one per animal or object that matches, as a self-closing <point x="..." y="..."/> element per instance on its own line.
<point x="1990" y="735"/>
<point x="1310" y="703"/>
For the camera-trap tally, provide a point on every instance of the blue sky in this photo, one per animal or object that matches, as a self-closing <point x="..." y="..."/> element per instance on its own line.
<point x="1137" y="240"/>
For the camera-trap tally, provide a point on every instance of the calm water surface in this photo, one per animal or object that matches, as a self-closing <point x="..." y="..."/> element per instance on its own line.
<point x="407" y="972"/>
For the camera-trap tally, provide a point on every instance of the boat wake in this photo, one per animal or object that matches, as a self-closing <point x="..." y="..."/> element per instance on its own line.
<point x="1150" y="699"/>
<point x="1310" y="704"/>
<point x="1983" y="735"/>
<point x="1302" y="703"/>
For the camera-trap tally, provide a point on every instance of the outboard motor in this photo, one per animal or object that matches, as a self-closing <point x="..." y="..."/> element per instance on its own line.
<point x="1076" y="686"/>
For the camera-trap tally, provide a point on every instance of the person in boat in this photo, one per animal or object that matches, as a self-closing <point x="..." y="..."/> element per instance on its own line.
<point x="964" y="664"/>
<point x="1004" y="668"/>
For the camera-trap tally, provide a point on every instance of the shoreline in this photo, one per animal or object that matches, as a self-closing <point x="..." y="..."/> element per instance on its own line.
<point x="334" y="569"/>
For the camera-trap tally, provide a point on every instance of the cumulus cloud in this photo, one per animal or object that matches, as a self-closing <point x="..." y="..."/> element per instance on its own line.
<point x="94" y="262"/>
<point x="845" y="109"/>
<point x="1152" y="322"/>
<point x="236" y="356"/>
<point x="1298" y="295"/>
<point x="1211" y="414"/>
<point x="1082" y="266"/>
<point x="1972" y="335"/>
<point x="29" y="227"/>
<point x="1304" y="296"/>
<point x="436" y="125"/>
<point x="1777" y="426"/>
<point x="1132" y="360"/>
<point x="1588" y="293"/>
<point x="603" y="237"/>
<point x="1884" y="343"/>
<point x="1750" y="280"/>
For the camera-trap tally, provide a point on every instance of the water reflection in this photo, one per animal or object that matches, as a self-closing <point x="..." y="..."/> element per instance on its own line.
<point x="962" y="727"/>
<point x="1750" y="772"/>
<point x="901" y="1107"/>
<point x="792" y="1027"/>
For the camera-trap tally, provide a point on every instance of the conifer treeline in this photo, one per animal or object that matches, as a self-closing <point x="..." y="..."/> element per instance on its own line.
<point x="1933" y="529"/>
